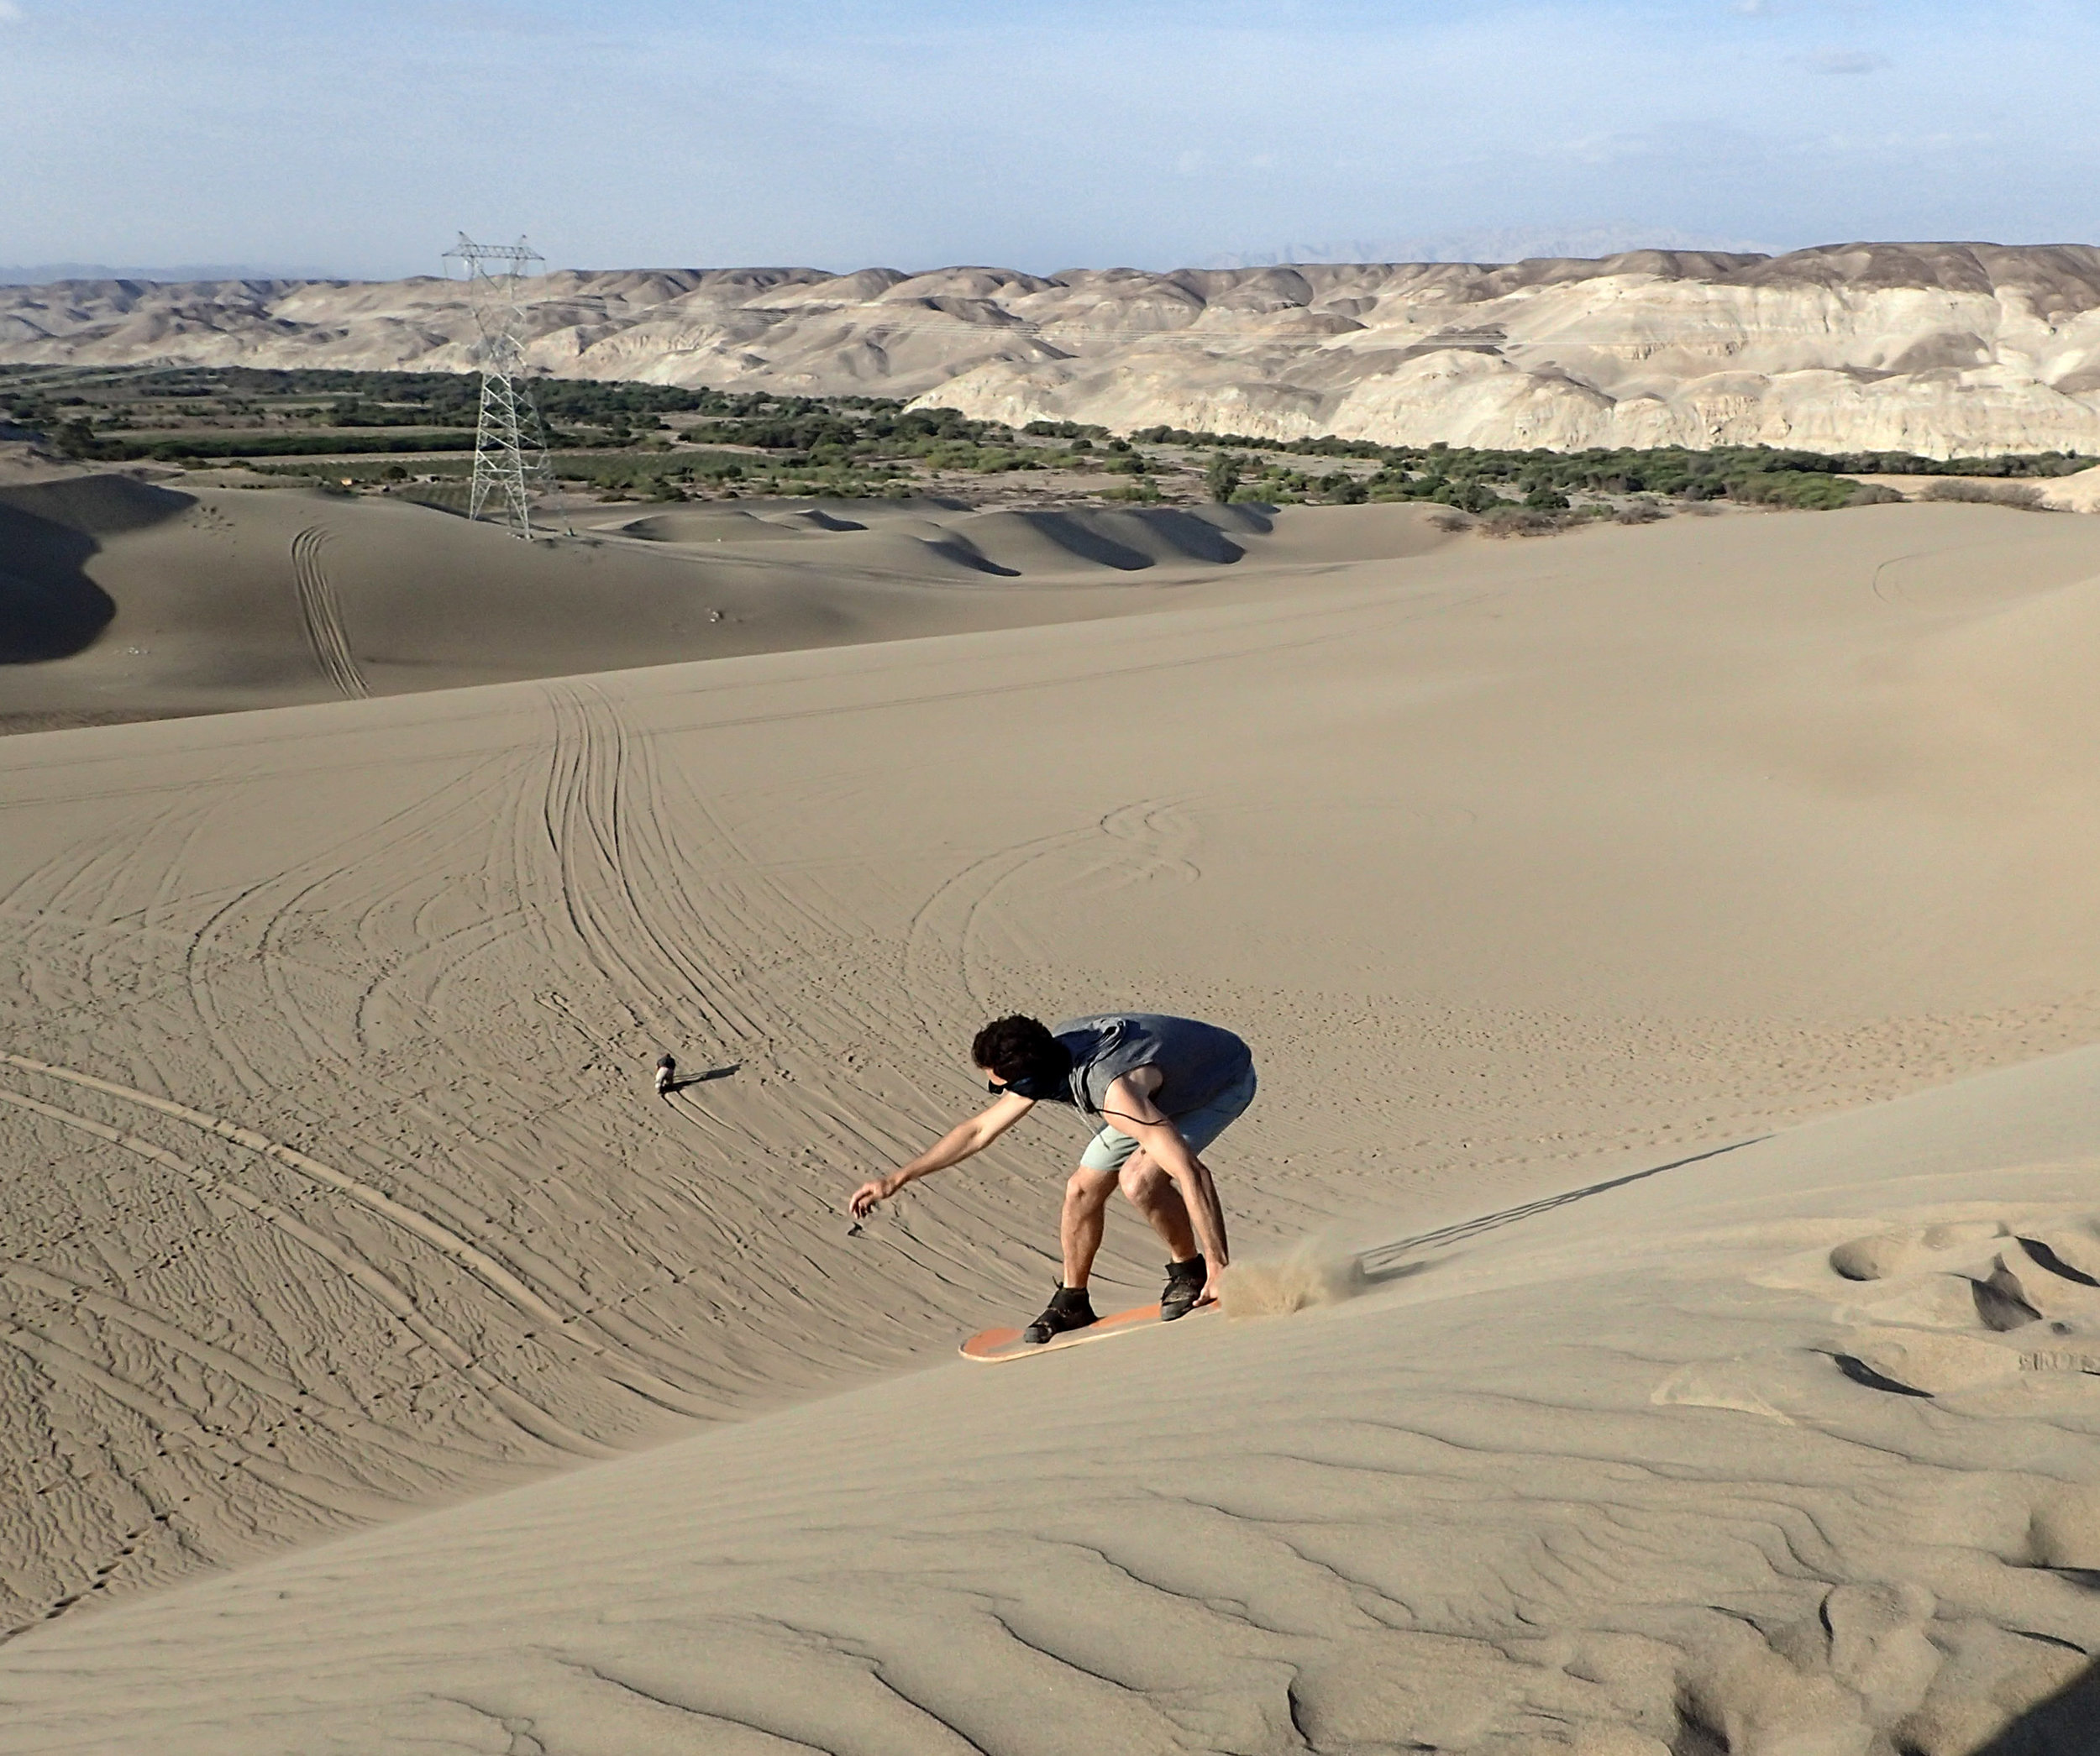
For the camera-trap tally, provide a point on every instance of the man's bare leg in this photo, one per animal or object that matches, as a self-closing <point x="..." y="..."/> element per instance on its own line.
<point x="1079" y="1227"/>
<point x="1153" y="1193"/>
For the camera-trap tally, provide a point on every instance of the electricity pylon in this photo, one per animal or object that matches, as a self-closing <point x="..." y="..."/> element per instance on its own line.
<point x="510" y="443"/>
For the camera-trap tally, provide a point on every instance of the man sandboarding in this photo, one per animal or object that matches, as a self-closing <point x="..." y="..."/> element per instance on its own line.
<point x="1162" y="1089"/>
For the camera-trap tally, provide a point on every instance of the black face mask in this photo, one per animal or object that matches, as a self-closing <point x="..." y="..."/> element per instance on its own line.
<point x="1037" y="1086"/>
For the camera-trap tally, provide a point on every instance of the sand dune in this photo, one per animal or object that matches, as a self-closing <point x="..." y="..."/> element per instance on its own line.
<point x="1939" y="349"/>
<point x="126" y="601"/>
<point x="337" y="1191"/>
<point x="1832" y="1503"/>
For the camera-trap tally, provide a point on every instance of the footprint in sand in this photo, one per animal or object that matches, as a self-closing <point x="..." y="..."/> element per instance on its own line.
<point x="1948" y="1308"/>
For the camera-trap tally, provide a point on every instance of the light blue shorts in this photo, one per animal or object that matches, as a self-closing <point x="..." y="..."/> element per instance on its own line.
<point x="1111" y="1148"/>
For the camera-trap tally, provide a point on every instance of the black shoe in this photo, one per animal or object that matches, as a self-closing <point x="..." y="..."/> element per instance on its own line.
<point x="1184" y="1287"/>
<point x="1070" y="1308"/>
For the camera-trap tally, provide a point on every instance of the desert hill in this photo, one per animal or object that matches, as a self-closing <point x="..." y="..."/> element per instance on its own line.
<point x="1942" y="349"/>
<point x="120" y="599"/>
<point x="1557" y="887"/>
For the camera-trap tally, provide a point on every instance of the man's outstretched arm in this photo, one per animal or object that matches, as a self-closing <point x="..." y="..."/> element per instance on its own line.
<point x="958" y="1143"/>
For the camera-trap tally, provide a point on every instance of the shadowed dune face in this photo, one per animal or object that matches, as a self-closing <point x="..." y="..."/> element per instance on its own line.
<point x="139" y="603"/>
<point x="55" y="610"/>
<point x="338" y="1190"/>
<point x="49" y="607"/>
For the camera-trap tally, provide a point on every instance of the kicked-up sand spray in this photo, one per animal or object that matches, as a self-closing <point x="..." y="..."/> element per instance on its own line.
<point x="1311" y="1272"/>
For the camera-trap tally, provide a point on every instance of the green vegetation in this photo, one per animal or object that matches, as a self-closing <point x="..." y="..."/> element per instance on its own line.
<point x="666" y="442"/>
<point x="1600" y="468"/>
<point x="846" y="445"/>
<point x="1543" y="481"/>
<point x="77" y="439"/>
<point x="2019" y="495"/>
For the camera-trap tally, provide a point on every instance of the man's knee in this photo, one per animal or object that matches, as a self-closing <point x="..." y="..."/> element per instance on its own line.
<point x="1086" y="1188"/>
<point x="1141" y="1178"/>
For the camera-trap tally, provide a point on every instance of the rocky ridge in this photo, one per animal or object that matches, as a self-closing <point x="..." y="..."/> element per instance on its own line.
<point x="1945" y="349"/>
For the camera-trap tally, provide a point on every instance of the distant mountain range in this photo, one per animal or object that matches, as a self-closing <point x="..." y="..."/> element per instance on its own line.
<point x="1605" y="238"/>
<point x="1942" y="349"/>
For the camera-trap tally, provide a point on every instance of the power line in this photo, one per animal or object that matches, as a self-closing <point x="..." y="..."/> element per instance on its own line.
<point x="510" y="440"/>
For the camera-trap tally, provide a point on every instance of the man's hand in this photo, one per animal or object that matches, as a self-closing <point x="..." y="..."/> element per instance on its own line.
<point x="957" y="1143"/>
<point x="1213" y="1289"/>
<point x="868" y="1193"/>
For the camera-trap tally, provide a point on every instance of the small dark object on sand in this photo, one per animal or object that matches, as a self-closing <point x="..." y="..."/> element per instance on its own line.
<point x="666" y="1071"/>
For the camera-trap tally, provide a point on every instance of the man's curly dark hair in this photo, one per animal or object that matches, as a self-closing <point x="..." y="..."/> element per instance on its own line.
<point x="1011" y="1048"/>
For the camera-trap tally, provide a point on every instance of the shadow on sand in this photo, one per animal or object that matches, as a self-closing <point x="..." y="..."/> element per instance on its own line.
<point x="2067" y="1724"/>
<point x="1384" y="1263"/>
<point x="49" y="607"/>
<point x="720" y="1072"/>
<point x="49" y="530"/>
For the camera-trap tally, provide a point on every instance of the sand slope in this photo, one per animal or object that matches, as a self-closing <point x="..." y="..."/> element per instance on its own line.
<point x="1735" y="1454"/>
<point x="126" y="600"/>
<point x="336" y="1190"/>
<point x="1941" y="348"/>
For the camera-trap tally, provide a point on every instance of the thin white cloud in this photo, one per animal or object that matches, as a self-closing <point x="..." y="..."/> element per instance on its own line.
<point x="898" y="136"/>
<point x="1842" y="61"/>
<point x="10" y="13"/>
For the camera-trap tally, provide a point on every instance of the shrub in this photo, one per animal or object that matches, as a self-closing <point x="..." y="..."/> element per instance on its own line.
<point x="1469" y="497"/>
<point x="1221" y="477"/>
<point x="76" y="439"/>
<point x="1641" y="511"/>
<point x="1809" y="490"/>
<point x="1453" y="521"/>
<point x="2019" y="495"/>
<point x="1519" y="521"/>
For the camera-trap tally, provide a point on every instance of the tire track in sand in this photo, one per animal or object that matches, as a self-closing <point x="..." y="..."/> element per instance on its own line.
<point x="477" y="1262"/>
<point x="237" y="1451"/>
<point x="321" y="615"/>
<point x="1145" y="839"/>
<point x="648" y="973"/>
<point x="323" y="1405"/>
<point x="562" y="1314"/>
<point x="603" y="857"/>
<point x="529" y="1417"/>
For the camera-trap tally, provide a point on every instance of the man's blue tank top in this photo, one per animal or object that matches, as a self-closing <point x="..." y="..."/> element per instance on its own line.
<point x="1196" y="1061"/>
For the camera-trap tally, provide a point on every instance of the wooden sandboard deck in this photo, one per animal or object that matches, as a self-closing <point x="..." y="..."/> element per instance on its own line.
<point x="995" y="1347"/>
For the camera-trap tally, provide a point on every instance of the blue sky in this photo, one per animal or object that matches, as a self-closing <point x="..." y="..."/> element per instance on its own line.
<point x="361" y="136"/>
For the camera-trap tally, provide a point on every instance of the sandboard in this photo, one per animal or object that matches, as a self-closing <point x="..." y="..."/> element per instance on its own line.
<point x="995" y="1347"/>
